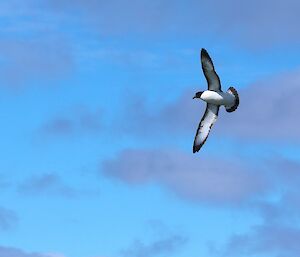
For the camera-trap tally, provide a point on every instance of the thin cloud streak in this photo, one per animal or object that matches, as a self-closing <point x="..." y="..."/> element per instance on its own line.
<point x="33" y="47"/>
<point x="203" y="179"/>
<point x="80" y="121"/>
<point x="278" y="233"/>
<point x="251" y="24"/>
<point x="8" y="219"/>
<point x="265" y="240"/>
<point x="30" y="60"/>
<point x="266" y="112"/>
<point x="49" y="183"/>
<point x="160" y="247"/>
<point x="16" y="252"/>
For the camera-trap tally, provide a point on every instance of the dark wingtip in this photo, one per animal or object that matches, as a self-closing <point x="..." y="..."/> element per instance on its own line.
<point x="196" y="149"/>
<point x="204" y="52"/>
<point x="205" y="55"/>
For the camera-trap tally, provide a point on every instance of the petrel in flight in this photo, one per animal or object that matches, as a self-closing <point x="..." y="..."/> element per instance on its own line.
<point x="214" y="97"/>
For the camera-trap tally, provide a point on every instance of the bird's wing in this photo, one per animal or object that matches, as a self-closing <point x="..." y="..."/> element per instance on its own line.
<point x="207" y="121"/>
<point x="213" y="80"/>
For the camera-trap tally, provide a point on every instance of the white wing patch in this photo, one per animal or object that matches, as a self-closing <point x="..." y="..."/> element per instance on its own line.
<point x="207" y="121"/>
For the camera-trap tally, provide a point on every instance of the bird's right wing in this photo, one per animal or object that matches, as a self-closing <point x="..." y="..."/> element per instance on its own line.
<point x="213" y="80"/>
<point x="207" y="121"/>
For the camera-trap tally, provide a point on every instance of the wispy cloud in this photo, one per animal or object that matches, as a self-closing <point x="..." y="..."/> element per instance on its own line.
<point x="79" y="121"/>
<point x="136" y="16"/>
<point x="278" y="233"/>
<point x="49" y="183"/>
<point x="200" y="179"/>
<point x="269" y="188"/>
<point x="255" y="26"/>
<point x="267" y="240"/>
<point x="33" y="46"/>
<point x="8" y="219"/>
<point x="16" y="252"/>
<point x="165" y="242"/>
<point x="267" y="112"/>
<point x="161" y="247"/>
<point x="30" y="60"/>
<point x="240" y="23"/>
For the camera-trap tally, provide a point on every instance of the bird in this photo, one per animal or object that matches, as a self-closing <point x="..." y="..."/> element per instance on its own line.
<point x="214" y="97"/>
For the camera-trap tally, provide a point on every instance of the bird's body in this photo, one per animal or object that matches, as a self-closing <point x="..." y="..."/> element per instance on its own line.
<point x="214" y="97"/>
<point x="218" y="98"/>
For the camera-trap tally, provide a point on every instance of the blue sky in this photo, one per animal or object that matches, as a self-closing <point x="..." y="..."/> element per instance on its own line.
<point x="98" y="121"/>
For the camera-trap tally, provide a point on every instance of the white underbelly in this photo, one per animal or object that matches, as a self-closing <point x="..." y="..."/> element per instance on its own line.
<point x="218" y="98"/>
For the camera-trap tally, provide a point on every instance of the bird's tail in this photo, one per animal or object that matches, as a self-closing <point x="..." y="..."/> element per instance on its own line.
<point x="232" y="108"/>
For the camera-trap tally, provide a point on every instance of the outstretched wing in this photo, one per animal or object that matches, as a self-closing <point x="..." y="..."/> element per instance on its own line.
<point x="207" y="121"/>
<point x="213" y="80"/>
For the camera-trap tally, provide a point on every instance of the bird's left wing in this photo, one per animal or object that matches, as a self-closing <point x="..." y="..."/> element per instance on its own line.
<point x="213" y="80"/>
<point x="207" y="121"/>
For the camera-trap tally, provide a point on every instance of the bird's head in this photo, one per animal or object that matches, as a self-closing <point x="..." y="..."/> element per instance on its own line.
<point x="198" y="95"/>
